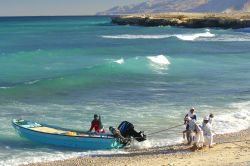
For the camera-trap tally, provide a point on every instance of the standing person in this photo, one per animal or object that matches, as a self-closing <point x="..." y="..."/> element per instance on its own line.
<point x="198" y="137"/>
<point x="189" y="130"/>
<point x="188" y="117"/>
<point x="190" y="114"/>
<point x="207" y="132"/>
<point x="211" y="117"/>
<point x="97" y="125"/>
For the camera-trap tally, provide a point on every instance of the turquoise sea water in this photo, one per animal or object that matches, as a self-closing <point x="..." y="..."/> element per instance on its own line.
<point x="62" y="70"/>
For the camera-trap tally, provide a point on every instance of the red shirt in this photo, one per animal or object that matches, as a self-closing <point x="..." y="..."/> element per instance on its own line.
<point x="95" y="125"/>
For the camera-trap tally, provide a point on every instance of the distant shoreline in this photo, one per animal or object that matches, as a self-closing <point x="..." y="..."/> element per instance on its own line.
<point x="188" y="20"/>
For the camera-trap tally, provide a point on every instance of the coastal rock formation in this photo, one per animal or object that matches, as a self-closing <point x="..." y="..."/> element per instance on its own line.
<point x="159" y="6"/>
<point x="190" y="20"/>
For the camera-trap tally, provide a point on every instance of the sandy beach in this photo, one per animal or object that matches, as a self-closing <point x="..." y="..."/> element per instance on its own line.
<point x="231" y="149"/>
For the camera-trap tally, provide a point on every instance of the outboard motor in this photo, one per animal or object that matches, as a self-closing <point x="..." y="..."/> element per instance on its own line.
<point x="119" y="137"/>
<point x="126" y="132"/>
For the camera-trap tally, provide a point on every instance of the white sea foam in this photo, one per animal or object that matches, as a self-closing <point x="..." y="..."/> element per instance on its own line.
<point x="240" y="37"/>
<point x="159" y="63"/>
<point x="238" y="119"/>
<point x="188" y="37"/>
<point x="32" y="82"/>
<point x="205" y="36"/>
<point x="119" y="61"/>
<point x="150" y="143"/>
<point x="127" y="36"/>
<point x="159" y="59"/>
<point x="191" y="37"/>
<point x="4" y="87"/>
<point x="27" y="158"/>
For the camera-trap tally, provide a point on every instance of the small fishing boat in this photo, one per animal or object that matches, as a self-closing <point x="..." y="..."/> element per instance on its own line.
<point x="62" y="137"/>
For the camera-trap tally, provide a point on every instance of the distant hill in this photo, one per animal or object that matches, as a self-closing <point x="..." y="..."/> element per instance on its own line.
<point x="159" y="6"/>
<point x="223" y="6"/>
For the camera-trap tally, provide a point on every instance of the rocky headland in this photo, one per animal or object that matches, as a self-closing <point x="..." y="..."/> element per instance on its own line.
<point x="189" y="20"/>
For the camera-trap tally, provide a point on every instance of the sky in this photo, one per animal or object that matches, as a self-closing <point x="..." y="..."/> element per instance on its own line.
<point x="58" y="7"/>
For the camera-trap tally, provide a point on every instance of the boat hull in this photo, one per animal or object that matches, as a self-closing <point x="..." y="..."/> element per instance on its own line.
<point x="91" y="143"/>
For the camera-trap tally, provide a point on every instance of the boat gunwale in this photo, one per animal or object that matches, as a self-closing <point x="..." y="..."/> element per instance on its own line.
<point x="74" y="136"/>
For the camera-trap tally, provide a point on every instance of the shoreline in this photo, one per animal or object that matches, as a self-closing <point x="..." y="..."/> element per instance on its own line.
<point x="223" y="153"/>
<point x="188" y="20"/>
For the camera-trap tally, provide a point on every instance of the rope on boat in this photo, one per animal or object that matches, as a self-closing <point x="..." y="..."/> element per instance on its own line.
<point x="164" y="130"/>
<point x="225" y="142"/>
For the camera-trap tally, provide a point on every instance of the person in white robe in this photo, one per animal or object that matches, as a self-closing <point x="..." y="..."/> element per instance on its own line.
<point x="198" y="140"/>
<point x="207" y="132"/>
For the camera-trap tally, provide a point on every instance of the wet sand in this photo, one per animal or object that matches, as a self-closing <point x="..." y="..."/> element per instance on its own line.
<point x="231" y="149"/>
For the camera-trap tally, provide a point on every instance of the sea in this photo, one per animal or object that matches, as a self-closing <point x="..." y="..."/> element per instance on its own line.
<point x="63" y="70"/>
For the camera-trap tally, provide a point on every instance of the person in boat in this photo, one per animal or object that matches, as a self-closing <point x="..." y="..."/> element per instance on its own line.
<point x="97" y="125"/>
<point x="207" y="132"/>
<point x="189" y="130"/>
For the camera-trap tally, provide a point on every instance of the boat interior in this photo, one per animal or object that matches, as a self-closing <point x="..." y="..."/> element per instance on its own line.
<point x="52" y="130"/>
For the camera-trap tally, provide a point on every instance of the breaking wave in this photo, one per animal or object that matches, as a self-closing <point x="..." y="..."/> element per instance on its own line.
<point x="185" y="37"/>
<point x="127" y="36"/>
<point x="241" y="37"/>
<point x="238" y="119"/>
<point x="159" y="59"/>
<point x="32" y="82"/>
<point x="5" y="87"/>
<point x="136" y="65"/>
<point x="119" y="61"/>
<point x="191" y="37"/>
